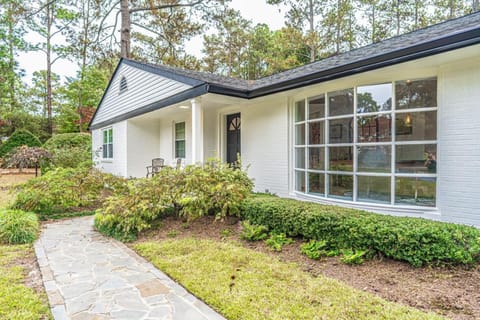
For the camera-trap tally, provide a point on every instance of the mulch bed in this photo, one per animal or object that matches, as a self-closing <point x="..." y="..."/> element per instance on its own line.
<point x="453" y="292"/>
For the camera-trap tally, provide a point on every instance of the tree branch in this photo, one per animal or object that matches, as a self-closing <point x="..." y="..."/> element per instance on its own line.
<point x="100" y="26"/>
<point x="166" y="6"/>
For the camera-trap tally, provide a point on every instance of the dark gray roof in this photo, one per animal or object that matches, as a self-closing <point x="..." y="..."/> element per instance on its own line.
<point x="448" y="35"/>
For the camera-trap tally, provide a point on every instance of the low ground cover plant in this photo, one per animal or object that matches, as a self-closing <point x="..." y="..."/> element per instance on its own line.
<point x="417" y="241"/>
<point x="63" y="190"/>
<point x="253" y="232"/>
<point x="276" y="241"/>
<point x="18" y="227"/>
<point x="17" y="301"/>
<point x="211" y="189"/>
<point x="244" y="284"/>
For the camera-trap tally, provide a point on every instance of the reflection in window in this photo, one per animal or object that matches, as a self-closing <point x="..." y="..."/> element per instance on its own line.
<point x="340" y="186"/>
<point x="316" y="132"/>
<point x="300" y="181"/>
<point x="417" y="191"/>
<point x="316" y="183"/>
<point x="375" y="128"/>
<point x="180" y="140"/>
<point x="300" y="158"/>
<point x="374" y="159"/>
<point x="316" y="107"/>
<point x="300" y="111"/>
<point x="341" y="158"/>
<point x="316" y="158"/>
<point x="341" y="130"/>
<point x="363" y="149"/>
<point x="413" y="126"/>
<point x="416" y="158"/>
<point x="416" y="94"/>
<point x="340" y="102"/>
<point x="374" y="98"/>
<point x="374" y="189"/>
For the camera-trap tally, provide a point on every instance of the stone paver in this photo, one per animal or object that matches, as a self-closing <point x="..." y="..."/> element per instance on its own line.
<point x="88" y="276"/>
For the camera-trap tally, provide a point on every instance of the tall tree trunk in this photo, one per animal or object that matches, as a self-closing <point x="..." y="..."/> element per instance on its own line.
<point x="398" y="17"/>
<point x="11" y="58"/>
<point x="86" y="22"/>
<point x="49" y="69"/>
<point x="312" y="30"/>
<point x="125" y="30"/>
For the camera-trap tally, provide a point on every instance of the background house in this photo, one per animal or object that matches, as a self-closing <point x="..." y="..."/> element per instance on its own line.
<point x="392" y="127"/>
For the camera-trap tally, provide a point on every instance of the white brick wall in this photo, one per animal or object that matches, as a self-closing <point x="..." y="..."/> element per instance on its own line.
<point x="459" y="142"/>
<point x="117" y="165"/>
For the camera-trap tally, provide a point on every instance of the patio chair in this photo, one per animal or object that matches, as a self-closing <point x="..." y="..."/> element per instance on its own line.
<point x="157" y="165"/>
<point x="178" y="163"/>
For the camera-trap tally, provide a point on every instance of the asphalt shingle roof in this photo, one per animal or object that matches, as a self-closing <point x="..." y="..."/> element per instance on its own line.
<point x="415" y="38"/>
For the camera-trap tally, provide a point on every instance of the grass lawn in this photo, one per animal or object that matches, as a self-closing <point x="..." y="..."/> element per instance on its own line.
<point x="244" y="284"/>
<point x="18" y="301"/>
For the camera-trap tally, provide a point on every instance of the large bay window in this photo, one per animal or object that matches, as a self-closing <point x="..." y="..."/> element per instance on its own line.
<point x="373" y="144"/>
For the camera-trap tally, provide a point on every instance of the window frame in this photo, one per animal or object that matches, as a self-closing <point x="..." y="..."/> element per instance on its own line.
<point x="176" y="139"/>
<point x="106" y="150"/>
<point x="392" y="174"/>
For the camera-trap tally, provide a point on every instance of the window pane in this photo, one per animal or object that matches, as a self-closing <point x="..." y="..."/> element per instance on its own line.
<point x="416" y="94"/>
<point x="316" y="183"/>
<point x="421" y="158"/>
<point x="300" y="181"/>
<point x="374" y="98"/>
<point x="180" y="149"/>
<point x="110" y="136"/>
<point x="341" y="158"/>
<point x="110" y="150"/>
<point x="340" y="186"/>
<point x="180" y="131"/>
<point x="300" y="158"/>
<point x="340" y="102"/>
<point x="300" y="134"/>
<point x="316" y="158"/>
<point x="316" y="107"/>
<point x="341" y="131"/>
<point x="413" y="126"/>
<point x="374" y="159"/>
<point x="375" y="128"/>
<point x="300" y="111"/>
<point x="415" y="191"/>
<point x="374" y="189"/>
<point x="316" y="132"/>
<point x="105" y="151"/>
<point x="105" y="136"/>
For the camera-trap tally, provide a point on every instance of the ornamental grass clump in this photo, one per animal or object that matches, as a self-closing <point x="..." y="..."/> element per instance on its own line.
<point x="18" y="227"/>
<point x="414" y="240"/>
<point x="211" y="189"/>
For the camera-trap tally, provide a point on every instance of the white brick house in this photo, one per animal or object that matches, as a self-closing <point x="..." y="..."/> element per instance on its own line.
<point x="393" y="127"/>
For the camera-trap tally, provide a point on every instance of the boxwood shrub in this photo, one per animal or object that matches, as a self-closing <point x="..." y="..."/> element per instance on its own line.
<point x="417" y="241"/>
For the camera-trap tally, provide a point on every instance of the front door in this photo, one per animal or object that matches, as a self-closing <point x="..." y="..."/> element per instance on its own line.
<point x="233" y="137"/>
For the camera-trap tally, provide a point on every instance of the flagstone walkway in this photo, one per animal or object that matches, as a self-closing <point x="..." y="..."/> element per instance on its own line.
<point x="88" y="276"/>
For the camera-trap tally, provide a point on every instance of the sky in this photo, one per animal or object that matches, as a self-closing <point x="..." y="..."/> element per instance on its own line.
<point x="256" y="10"/>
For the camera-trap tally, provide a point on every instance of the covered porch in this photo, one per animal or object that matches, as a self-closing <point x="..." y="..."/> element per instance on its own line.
<point x="194" y="130"/>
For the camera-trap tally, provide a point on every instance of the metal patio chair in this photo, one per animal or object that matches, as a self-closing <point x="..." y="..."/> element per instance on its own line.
<point x="157" y="165"/>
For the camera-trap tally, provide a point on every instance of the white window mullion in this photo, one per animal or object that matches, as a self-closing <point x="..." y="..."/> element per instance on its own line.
<point x="355" y="150"/>
<point x="392" y="173"/>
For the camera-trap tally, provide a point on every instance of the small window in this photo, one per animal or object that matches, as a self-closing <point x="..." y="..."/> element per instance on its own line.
<point x="123" y="84"/>
<point x="107" y="148"/>
<point x="180" y="140"/>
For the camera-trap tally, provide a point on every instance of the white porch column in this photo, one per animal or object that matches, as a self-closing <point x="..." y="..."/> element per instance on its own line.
<point x="197" y="130"/>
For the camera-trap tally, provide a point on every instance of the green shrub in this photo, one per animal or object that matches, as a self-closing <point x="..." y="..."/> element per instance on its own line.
<point x="314" y="249"/>
<point x="213" y="188"/>
<point x="417" y="241"/>
<point x="252" y="232"/>
<point x="276" y="241"/>
<point x="17" y="139"/>
<point x="64" y="189"/>
<point x="17" y="227"/>
<point x="350" y="256"/>
<point x="69" y="150"/>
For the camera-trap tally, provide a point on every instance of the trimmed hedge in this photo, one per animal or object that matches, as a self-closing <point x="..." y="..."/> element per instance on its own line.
<point x="415" y="240"/>
<point x="17" y="139"/>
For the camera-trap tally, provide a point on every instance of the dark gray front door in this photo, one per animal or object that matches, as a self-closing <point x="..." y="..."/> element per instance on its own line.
<point x="233" y="137"/>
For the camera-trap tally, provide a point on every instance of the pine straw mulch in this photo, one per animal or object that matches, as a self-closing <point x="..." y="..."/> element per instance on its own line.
<point x="452" y="292"/>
